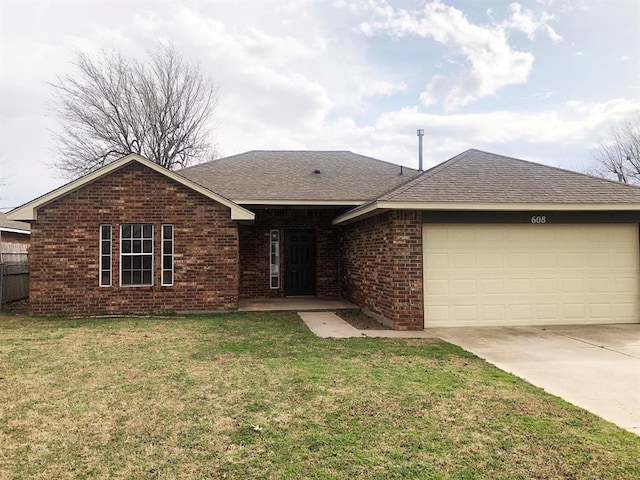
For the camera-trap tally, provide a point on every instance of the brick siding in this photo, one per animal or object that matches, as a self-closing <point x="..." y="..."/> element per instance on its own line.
<point x="254" y="250"/>
<point x="381" y="267"/>
<point x="65" y="248"/>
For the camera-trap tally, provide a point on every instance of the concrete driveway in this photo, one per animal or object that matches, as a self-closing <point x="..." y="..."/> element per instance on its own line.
<point x="596" y="367"/>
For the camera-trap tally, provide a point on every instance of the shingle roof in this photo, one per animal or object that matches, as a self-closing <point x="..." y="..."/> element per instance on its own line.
<point x="289" y="175"/>
<point x="5" y="223"/>
<point x="480" y="177"/>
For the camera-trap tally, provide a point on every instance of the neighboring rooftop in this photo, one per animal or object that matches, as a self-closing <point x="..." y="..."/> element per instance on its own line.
<point x="480" y="177"/>
<point x="338" y="176"/>
<point x="12" y="225"/>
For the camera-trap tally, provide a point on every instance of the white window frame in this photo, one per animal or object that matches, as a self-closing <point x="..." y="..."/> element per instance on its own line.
<point x="274" y="259"/>
<point x="103" y="255"/>
<point x="167" y="254"/>
<point x="141" y="254"/>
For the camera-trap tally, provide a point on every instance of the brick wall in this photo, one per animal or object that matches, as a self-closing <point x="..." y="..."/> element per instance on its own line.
<point x="254" y="250"/>
<point x="65" y="248"/>
<point x="381" y="267"/>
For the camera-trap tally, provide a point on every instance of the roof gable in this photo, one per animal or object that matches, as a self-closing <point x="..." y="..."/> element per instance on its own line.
<point x="28" y="211"/>
<point x="318" y="177"/>
<point x="477" y="180"/>
<point x="482" y="177"/>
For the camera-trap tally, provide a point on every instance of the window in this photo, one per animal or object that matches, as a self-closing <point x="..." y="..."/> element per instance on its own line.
<point x="274" y="259"/>
<point x="167" y="254"/>
<point x="105" y="255"/>
<point x="136" y="254"/>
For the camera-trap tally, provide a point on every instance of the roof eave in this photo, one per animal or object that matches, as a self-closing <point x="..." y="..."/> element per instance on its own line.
<point x="381" y="206"/>
<point x="15" y="230"/>
<point x="29" y="211"/>
<point x="320" y="203"/>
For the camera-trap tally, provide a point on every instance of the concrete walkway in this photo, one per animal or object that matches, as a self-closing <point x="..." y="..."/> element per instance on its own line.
<point x="330" y="325"/>
<point x="596" y="367"/>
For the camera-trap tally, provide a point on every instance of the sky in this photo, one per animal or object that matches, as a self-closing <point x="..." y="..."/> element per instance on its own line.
<point x="542" y="80"/>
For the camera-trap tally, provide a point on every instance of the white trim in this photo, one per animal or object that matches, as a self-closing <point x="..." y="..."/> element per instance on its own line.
<point x="380" y="206"/>
<point x="131" y="254"/>
<point x="275" y="243"/>
<point x="163" y="254"/>
<point x="563" y="207"/>
<point x="29" y="211"/>
<point x="102" y="255"/>
<point x="310" y="203"/>
<point x="15" y="230"/>
<point x="364" y="211"/>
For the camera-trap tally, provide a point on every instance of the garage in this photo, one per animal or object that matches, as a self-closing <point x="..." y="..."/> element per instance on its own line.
<point x="530" y="274"/>
<point x="488" y="240"/>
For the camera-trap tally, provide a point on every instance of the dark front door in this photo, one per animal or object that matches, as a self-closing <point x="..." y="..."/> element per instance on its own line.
<point x="300" y="269"/>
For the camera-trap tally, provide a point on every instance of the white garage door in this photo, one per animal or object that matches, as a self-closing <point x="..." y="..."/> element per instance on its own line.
<point x="485" y="274"/>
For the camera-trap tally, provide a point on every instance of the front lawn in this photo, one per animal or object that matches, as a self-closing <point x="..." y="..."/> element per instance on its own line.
<point x="244" y="396"/>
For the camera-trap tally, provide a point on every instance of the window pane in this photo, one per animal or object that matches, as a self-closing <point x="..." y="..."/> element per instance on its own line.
<point x="274" y="259"/>
<point x="106" y="262"/>
<point x="106" y="248"/>
<point x="167" y="277"/>
<point x="106" y="232"/>
<point x="167" y="231"/>
<point x="136" y="259"/>
<point x="106" y="278"/>
<point x="166" y="246"/>
<point x="167" y="262"/>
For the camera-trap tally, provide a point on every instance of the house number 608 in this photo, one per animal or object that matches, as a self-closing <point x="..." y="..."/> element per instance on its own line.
<point x="538" y="219"/>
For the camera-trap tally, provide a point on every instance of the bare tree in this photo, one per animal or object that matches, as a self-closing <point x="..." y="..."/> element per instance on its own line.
<point x="619" y="154"/>
<point x="112" y="106"/>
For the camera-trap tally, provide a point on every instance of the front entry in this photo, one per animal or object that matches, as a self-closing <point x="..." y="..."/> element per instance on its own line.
<point x="299" y="262"/>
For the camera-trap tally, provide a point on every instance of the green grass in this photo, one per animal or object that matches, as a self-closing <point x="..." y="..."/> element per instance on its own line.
<point x="258" y="396"/>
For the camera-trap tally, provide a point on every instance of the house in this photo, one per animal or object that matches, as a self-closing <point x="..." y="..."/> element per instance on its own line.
<point x="480" y="239"/>
<point x="14" y="239"/>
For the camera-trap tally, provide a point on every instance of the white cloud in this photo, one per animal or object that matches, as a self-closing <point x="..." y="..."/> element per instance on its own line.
<point x="283" y="83"/>
<point x="577" y="124"/>
<point x="538" y="135"/>
<point x="542" y="95"/>
<point x="525" y="21"/>
<point x="491" y="62"/>
<point x="573" y="122"/>
<point x="299" y="74"/>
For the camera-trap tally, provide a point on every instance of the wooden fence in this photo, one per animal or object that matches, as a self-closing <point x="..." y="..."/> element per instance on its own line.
<point x="14" y="282"/>
<point x="14" y="272"/>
